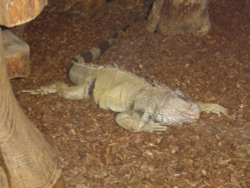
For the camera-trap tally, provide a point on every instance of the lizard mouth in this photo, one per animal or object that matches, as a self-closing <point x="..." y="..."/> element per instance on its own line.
<point x="194" y="116"/>
<point x="191" y="116"/>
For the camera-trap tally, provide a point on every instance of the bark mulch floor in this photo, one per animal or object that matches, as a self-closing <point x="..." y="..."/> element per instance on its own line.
<point x="95" y="151"/>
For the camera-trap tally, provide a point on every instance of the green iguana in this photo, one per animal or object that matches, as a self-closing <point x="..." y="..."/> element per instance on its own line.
<point x="141" y="106"/>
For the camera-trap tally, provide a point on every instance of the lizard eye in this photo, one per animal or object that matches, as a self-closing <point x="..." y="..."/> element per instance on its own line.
<point x="159" y="117"/>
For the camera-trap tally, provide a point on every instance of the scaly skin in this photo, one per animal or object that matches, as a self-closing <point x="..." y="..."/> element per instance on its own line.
<point x="141" y="107"/>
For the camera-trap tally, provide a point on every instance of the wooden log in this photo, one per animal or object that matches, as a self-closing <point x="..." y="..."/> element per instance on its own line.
<point x="17" y="12"/>
<point x="16" y="55"/>
<point x="155" y="15"/>
<point x="27" y="159"/>
<point x="180" y="17"/>
<point x="4" y="179"/>
<point x="30" y="160"/>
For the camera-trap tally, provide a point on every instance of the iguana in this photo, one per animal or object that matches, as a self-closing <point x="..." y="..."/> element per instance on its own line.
<point x="141" y="106"/>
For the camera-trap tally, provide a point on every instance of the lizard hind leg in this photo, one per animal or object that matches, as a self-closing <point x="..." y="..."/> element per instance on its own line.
<point x="78" y="92"/>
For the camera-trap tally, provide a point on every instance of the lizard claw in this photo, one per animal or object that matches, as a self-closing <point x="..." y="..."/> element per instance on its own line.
<point x="153" y="127"/>
<point x="219" y="110"/>
<point x="214" y="108"/>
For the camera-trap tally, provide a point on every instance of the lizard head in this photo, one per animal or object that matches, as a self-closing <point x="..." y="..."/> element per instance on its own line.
<point x="177" y="108"/>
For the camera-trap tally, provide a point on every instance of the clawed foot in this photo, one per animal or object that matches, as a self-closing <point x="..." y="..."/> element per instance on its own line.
<point x="153" y="127"/>
<point x="133" y="121"/>
<point x="213" y="108"/>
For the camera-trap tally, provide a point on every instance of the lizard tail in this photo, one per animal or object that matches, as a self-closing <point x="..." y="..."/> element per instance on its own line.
<point x="90" y="55"/>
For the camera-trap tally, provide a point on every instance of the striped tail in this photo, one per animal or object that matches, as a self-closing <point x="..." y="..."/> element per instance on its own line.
<point x="91" y="55"/>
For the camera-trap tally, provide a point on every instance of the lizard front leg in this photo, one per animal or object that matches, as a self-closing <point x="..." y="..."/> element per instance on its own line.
<point x="213" y="108"/>
<point x="133" y="121"/>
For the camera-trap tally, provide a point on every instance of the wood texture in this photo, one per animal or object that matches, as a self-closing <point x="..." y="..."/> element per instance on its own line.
<point x="16" y="12"/>
<point x="4" y="179"/>
<point x="30" y="160"/>
<point x="16" y="55"/>
<point x="180" y="17"/>
<point x="27" y="160"/>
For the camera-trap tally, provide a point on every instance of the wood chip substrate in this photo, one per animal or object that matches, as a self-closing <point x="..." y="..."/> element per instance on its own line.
<point x="95" y="151"/>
